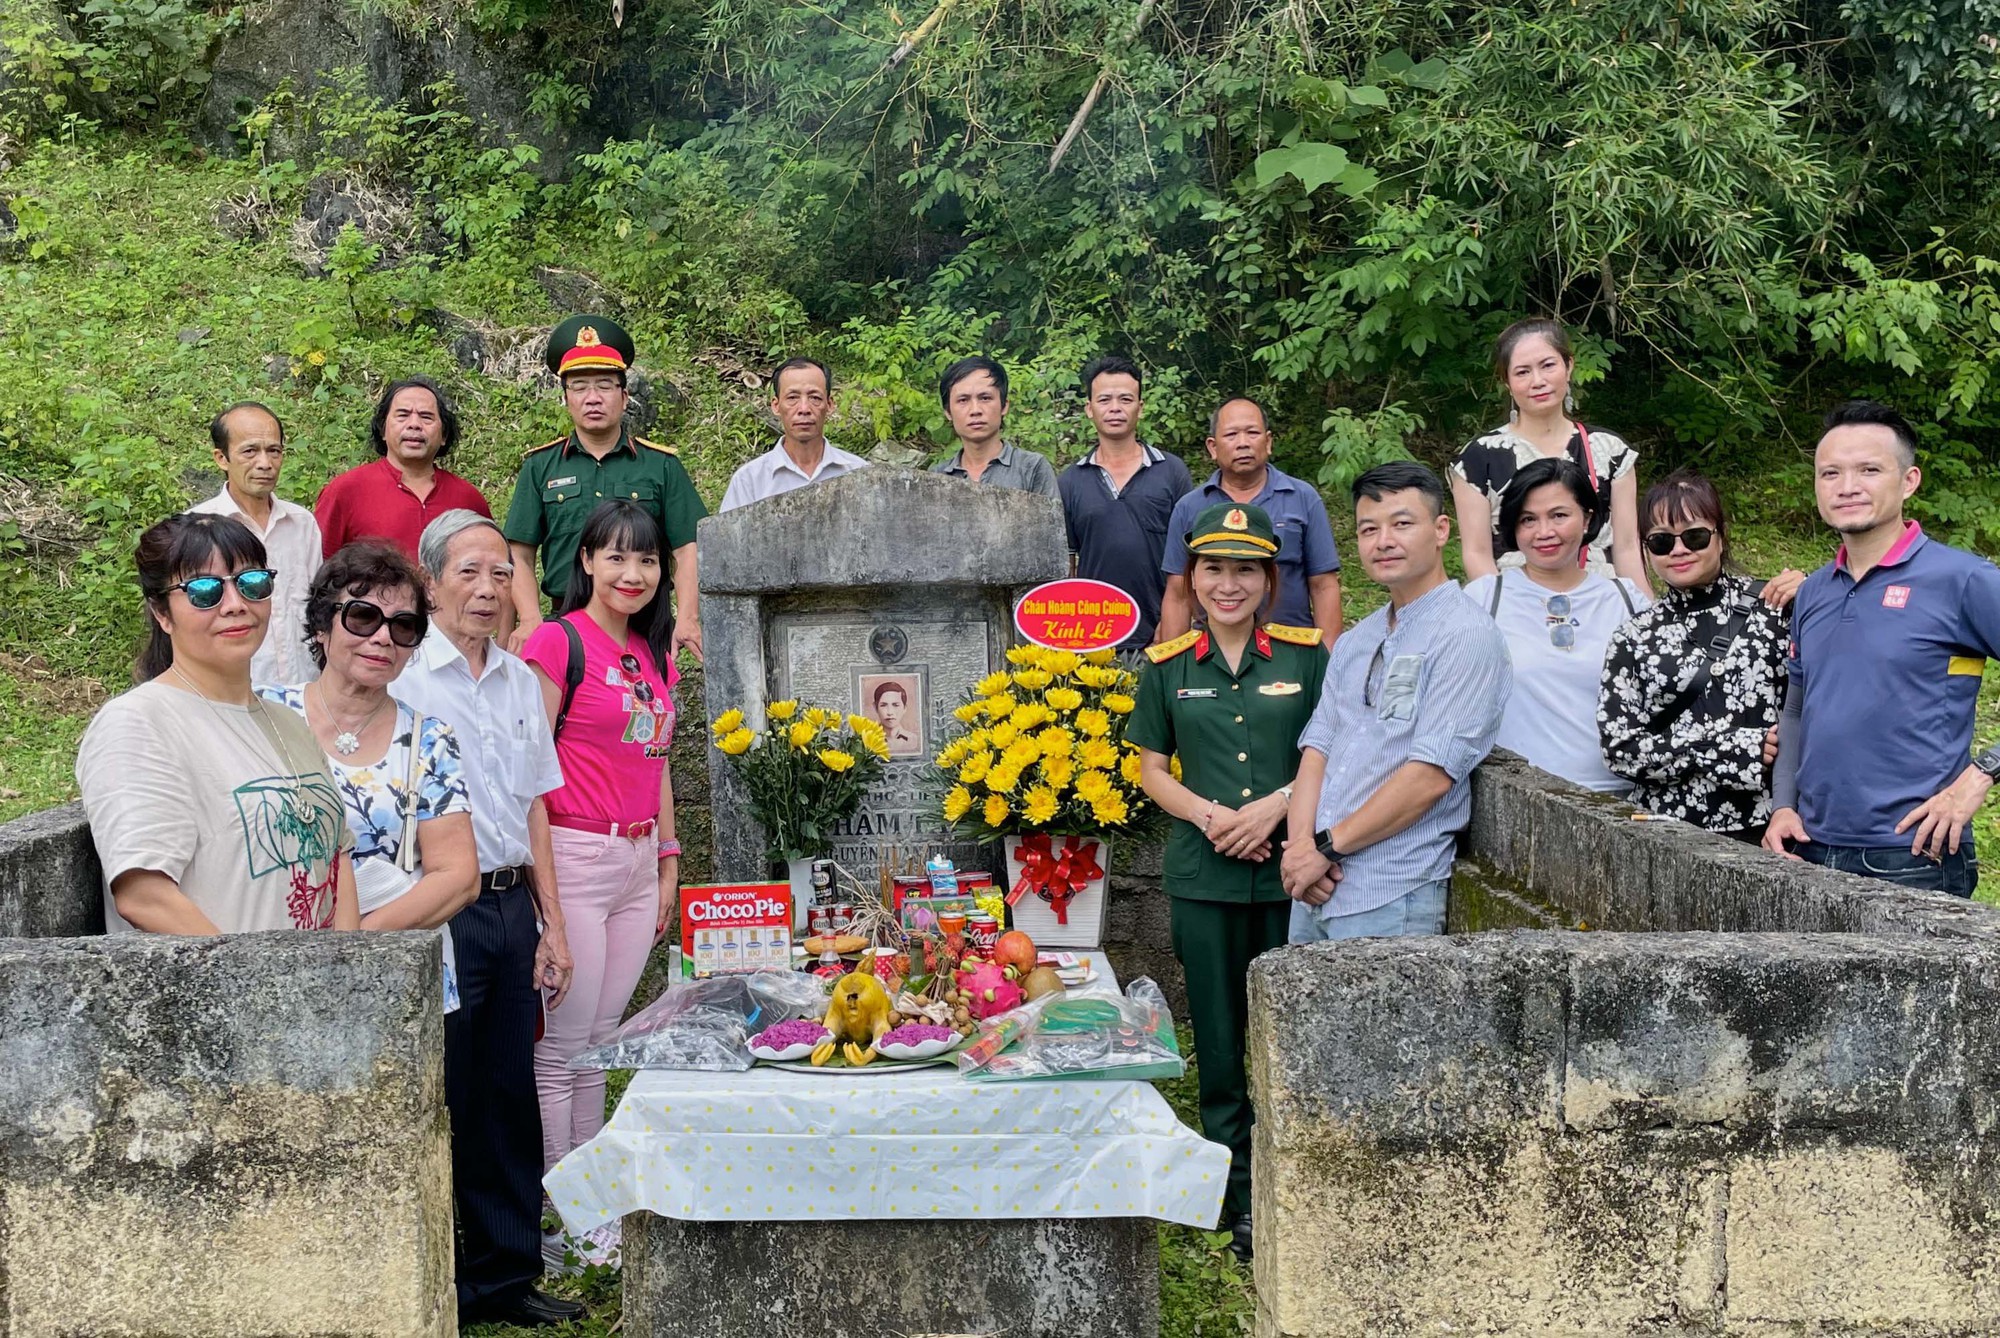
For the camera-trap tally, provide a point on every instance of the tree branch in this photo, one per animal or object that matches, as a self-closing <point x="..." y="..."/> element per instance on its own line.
<point x="1096" y="91"/>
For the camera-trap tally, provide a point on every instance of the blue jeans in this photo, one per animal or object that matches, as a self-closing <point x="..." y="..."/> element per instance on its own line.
<point x="1956" y="874"/>
<point x="1418" y="911"/>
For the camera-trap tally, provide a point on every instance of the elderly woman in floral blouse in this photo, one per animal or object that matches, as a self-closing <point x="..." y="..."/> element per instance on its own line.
<point x="1692" y="685"/>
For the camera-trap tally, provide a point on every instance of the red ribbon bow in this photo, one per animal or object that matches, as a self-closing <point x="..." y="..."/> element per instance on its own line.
<point x="1056" y="879"/>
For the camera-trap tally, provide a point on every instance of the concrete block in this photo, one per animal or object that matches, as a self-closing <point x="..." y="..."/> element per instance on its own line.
<point x="51" y="885"/>
<point x="1036" y="1278"/>
<point x="240" y="1136"/>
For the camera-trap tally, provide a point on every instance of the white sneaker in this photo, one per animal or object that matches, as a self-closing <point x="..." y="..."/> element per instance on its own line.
<point x="559" y="1254"/>
<point x="600" y="1247"/>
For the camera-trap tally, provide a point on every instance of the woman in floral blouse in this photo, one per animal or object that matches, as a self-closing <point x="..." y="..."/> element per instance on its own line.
<point x="1692" y="685"/>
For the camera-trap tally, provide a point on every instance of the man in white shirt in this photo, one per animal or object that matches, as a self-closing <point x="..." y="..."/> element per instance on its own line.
<point x="802" y="397"/>
<point x="494" y="704"/>
<point x="249" y="444"/>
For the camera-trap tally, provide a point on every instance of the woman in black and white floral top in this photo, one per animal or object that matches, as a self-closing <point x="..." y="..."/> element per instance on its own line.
<point x="1533" y="360"/>
<point x="1693" y="684"/>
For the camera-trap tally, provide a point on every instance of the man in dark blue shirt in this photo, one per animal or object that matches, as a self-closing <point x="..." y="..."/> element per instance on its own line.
<point x="1117" y="500"/>
<point x="1308" y="594"/>
<point x="1874" y="773"/>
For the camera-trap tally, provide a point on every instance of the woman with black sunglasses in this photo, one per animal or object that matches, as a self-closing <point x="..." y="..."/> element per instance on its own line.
<point x="1557" y="618"/>
<point x="1692" y="685"/>
<point x="607" y="685"/>
<point x="399" y="777"/>
<point x="212" y="812"/>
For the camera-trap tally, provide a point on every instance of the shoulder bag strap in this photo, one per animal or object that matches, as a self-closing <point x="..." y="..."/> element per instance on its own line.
<point x="406" y="847"/>
<point x="1719" y="647"/>
<point x="572" y="674"/>
<point x="1631" y="609"/>
<point x="1493" y="608"/>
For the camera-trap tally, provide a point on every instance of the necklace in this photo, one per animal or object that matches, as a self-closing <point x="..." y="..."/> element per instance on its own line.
<point x="347" y="741"/>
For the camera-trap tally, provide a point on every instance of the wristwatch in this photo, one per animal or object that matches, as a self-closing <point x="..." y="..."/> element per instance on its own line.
<point x="1988" y="763"/>
<point x="1323" y="842"/>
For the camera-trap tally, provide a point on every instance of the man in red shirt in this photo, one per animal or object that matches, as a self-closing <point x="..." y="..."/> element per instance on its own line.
<point x="393" y="498"/>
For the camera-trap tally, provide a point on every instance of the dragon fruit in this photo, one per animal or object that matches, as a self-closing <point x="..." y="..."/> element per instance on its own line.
<point x="988" y="990"/>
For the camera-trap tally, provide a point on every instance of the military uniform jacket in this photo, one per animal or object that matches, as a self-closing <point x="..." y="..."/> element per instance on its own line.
<point x="560" y="484"/>
<point x="1237" y="736"/>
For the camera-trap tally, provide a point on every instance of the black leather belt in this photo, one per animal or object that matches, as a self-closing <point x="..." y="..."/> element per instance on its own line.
<point x="501" y="880"/>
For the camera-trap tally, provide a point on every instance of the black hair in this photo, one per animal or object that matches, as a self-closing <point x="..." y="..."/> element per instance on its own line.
<point x="447" y="414"/>
<point x="175" y="550"/>
<point x="1215" y="417"/>
<point x="357" y="569"/>
<point x="1109" y="364"/>
<point x="1685" y="498"/>
<point x="1857" y="413"/>
<point x="799" y="365"/>
<point x="965" y="367"/>
<point x="218" y="426"/>
<point x="1401" y="476"/>
<point x="1540" y="473"/>
<point x="623" y="524"/>
<point x="891" y="686"/>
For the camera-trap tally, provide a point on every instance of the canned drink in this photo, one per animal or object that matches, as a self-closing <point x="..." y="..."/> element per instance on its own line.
<point x="951" y="923"/>
<point x="822" y="879"/>
<point x="843" y="916"/>
<point x="819" y="920"/>
<point x="982" y="931"/>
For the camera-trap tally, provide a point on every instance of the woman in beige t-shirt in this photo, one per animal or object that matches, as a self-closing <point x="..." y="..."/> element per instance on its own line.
<point x="212" y="810"/>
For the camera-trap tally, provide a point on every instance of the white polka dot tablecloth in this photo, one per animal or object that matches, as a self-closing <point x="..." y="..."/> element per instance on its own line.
<point x="776" y="1145"/>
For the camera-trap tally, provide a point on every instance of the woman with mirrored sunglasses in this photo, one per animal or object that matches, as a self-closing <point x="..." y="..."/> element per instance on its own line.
<point x="1692" y="685"/>
<point x="211" y="810"/>
<point x="399" y="777"/>
<point x="607" y="685"/>
<point x="1557" y="617"/>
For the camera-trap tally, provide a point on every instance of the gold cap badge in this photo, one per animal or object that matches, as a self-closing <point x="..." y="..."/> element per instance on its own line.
<point x="587" y="335"/>
<point x="1236" y="520"/>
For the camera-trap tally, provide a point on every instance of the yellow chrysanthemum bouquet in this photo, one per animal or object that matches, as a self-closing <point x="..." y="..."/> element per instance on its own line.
<point x="1042" y="748"/>
<point x="806" y="771"/>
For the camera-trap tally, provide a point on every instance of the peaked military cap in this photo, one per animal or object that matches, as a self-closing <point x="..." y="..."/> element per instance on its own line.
<point x="1231" y="529"/>
<point x="589" y="344"/>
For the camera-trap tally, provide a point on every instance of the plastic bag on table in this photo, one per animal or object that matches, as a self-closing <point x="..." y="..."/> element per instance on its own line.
<point x="707" y="1023"/>
<point x="1068" y="1038"/>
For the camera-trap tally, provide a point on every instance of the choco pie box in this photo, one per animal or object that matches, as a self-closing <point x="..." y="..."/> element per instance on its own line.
<point x="731" y="928"/>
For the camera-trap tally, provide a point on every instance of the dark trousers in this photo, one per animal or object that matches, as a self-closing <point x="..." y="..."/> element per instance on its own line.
<point x="1215" y="941"/>
<point x="489" y="1085"/>
<point x="1956" y="874"/>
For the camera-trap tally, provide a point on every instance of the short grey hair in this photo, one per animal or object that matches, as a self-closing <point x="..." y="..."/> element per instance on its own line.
<point x="437" y="537"/>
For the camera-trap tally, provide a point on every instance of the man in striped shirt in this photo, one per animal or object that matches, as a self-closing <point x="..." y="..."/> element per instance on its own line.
<point x="1411" y="704"/>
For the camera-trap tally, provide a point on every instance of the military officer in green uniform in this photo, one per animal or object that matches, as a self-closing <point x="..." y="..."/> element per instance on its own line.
<point x="562" y="481"/>
<point x="1229" y="699"/>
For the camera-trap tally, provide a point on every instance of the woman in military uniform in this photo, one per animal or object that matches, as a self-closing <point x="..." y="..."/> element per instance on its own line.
<point x="1230" y="699"/>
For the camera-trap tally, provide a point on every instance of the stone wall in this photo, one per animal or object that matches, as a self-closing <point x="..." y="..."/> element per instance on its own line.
<point x="51" y="885"/>
<point x="240" y="1136"/>
<point x="1778" y="1125"/>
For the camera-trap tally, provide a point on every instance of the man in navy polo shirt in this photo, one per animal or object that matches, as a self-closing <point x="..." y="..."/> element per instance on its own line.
<point x="1888" y="644"/>
<point x="1308" y="594"/>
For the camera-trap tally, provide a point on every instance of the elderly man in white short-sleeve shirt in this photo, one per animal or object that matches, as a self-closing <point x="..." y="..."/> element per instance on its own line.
<point x="506" y="965"/>
<point x="249" y="445"/>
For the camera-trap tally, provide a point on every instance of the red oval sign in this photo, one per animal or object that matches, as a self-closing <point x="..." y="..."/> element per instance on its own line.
<point x="1076" y="614"/>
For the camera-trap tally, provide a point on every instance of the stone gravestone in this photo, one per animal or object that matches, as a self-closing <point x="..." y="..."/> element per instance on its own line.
<point x="887" y="593"/>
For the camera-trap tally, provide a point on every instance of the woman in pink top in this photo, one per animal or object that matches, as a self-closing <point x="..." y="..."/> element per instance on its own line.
<point x="617" y="863"/>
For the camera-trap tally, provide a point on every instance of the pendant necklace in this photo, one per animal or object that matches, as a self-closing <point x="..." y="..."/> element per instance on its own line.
<point x="346" y="741"/>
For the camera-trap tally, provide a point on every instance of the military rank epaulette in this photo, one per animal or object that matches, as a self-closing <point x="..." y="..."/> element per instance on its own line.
<point x="544" y="446"/>
<point x="655" y="446"/>
<point x="1298" y="636"/>
<point x="1166" y="650"/>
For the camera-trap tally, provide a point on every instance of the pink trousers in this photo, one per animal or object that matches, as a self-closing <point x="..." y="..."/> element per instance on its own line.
<point x="610" y="892"/>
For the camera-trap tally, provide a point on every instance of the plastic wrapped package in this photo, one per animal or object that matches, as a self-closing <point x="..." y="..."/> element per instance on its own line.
<point x="707" y="1023"/>
<point x="1068" y="1037"/>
